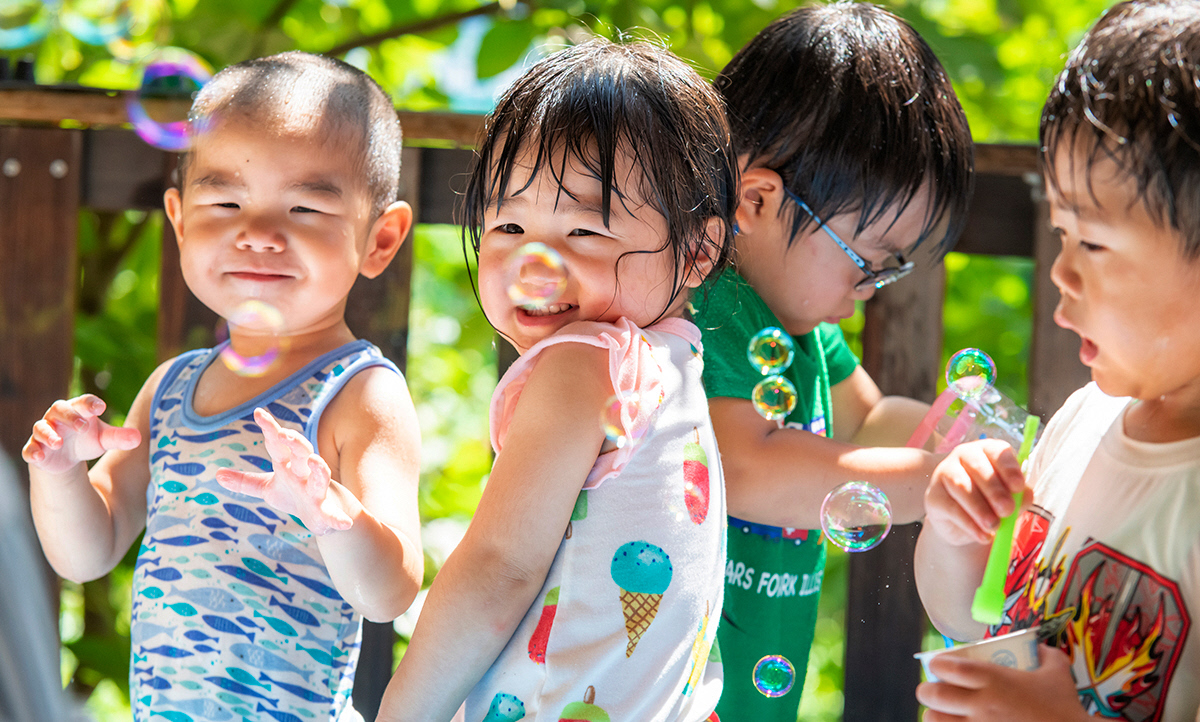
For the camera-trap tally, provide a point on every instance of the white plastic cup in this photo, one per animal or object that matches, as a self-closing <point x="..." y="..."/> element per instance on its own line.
<point x="1016" y="650"/>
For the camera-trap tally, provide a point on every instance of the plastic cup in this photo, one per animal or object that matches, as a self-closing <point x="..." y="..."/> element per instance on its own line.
<point x="1016" y="650"/>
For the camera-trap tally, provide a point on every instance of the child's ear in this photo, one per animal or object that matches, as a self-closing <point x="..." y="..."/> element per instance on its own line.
<point x="173" y="204"/>
<point x="386" y="236"/>
<point x="762" y="193"/>
<point x="704" y="253"/>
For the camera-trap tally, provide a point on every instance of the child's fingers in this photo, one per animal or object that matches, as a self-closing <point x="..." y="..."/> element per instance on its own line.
<point x="33" y="452"/>
<point x="969" y="509"/>
<point x="242" y="482"/>
<point x="988" y="464"/>
<point x="945" y="701"/>
<point x="45" y="435"/>
<point x="119" y="437"/>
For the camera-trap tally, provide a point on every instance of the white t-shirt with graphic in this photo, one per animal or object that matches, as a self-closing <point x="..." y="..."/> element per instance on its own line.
<point x="1111" y="550"/>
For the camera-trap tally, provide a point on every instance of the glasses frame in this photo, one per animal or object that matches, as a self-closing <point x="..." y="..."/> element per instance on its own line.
<point x="875" y="278"/>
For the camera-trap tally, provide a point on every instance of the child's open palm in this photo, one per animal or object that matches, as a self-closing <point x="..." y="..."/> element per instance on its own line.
<point x="299" y="485"/>
<point x="71" y="431"/>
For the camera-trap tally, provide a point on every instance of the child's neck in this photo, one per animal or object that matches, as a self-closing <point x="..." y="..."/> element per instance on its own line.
<point x="1163" y="419"/>
<point x="221" y="388"/>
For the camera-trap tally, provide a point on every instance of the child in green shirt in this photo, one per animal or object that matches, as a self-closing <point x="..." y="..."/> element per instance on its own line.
<point x="855" y="151"/>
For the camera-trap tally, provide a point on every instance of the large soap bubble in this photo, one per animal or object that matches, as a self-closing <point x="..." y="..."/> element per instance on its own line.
<point x="170" y="73"/>
<point x="774" y="675"/>
<point x="970" y="372"/>
<point x="25" y="22"/>
<point x="266" y="321"/>
<point x="537" y="275"/>
<point x="856" y="516"/>
<point x="774" y="398"/>
<point x="97" y="22"/>
<point x="771" y="351"/>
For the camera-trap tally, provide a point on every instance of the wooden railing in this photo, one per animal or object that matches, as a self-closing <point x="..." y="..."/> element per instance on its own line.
<point x="106" y="167"/>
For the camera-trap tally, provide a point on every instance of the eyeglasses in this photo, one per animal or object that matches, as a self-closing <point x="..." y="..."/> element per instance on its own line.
<point x="877" y="278"/>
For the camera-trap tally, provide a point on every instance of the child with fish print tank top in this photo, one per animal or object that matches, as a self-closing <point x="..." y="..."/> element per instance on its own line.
<point x="231" y="598"/>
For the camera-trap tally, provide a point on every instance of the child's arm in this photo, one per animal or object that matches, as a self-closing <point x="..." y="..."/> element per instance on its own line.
<point x="367" y="524"/>
<point x="86" y="520"/>
<point x="970" y="491"/>
<point x="971" y="689"/>
<point x="780" y="476"/>
<point x="488" y="584"/>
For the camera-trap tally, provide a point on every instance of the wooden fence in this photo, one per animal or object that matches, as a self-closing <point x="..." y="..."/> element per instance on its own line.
<point x="48" y="172"/>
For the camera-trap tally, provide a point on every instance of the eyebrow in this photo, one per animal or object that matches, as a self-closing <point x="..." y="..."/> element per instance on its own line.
<point x="320" y="185"/>
<point x="215" y="180"/>
<point x="221" y="180"/>
<point x="566" y="201"/>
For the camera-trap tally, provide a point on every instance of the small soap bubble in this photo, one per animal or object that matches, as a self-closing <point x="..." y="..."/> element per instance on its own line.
<point x="265" y="321"/>
<point x="771" y="351"/>
<point x="617" y="417"/>
<point x="856" y="516"/>
<point x="25" y="22"/>
<point x="170" y="73"/>
<point x="774" y="398"/>
<point x="537" y="275"/>
<point x="97" y="22"/>
<point x="970" y="372"/>
<point x="774" y="675"/>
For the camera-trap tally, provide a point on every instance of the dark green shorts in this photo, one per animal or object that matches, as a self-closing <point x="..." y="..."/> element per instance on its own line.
<point x="772" y="584"/>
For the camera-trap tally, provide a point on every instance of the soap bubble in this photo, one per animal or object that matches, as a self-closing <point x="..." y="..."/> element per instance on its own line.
<point x="618" y="416"/>
<point x="771" y="351"/>
<point x="774" y="675"/>
<point x="970" y="372"/>
<point x="263" y="319"/>
<point x="774" y="397"/>
<point x="856" y="516"/>
<point x="171" y="73"/>
<point x="97" y="22"/>
<point x="537" y="275"/>
<point x="25" y="22"/>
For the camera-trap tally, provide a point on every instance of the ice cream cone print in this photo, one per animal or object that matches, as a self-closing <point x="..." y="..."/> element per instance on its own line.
<point x="584" y="711"/>
<point x="695" y="479"/>
<point x="505" y="708"/>
<point x="541" y="634"/>
<point x="643" y="572"/>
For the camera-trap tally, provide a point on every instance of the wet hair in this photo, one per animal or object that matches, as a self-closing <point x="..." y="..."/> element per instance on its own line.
<point x="1130" y="92"/>
<point x="591" y="103"/>
<point x="344" y="103"/>
<point x="849" y="105"/>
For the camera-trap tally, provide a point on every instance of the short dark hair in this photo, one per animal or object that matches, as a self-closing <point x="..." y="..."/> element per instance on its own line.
<point x="594" y="101"/>
<point x="854" y="111"/>
<point x="346" y="102"/>
<point x="1131" y="91"/>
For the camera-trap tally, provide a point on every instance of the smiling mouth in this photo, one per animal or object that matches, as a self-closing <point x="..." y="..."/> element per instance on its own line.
<point x="553" y="309"/>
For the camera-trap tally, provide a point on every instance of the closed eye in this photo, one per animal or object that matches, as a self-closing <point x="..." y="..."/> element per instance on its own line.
<point x="228" y="204"/>
<point x="303" y="209"/>
<point x="582" y="232"/>
<point x="1090" y="246"/>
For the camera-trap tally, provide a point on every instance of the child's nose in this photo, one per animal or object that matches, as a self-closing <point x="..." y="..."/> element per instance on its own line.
<point x="1064" y="276"/>
<point x="261" y="236"/>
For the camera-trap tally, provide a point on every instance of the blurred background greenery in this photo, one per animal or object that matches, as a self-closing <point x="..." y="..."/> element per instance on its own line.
<point x="457" y="55"/>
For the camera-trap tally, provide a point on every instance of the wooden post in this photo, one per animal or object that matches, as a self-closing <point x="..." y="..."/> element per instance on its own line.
<point x="378" y="311"/>
<point x="39" y="210"/>
<point x="884" y="617"/>
<point x="39" y="216"/>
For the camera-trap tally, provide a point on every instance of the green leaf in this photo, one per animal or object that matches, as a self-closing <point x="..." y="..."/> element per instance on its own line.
<point x="503" y="45"/>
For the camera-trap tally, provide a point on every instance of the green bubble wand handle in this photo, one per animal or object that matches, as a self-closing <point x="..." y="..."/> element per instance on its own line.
<point x="988" y="604"/>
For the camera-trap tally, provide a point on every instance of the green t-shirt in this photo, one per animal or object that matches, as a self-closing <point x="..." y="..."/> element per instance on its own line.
<point x="772" y="575"/>
<point x="730" y="315"/>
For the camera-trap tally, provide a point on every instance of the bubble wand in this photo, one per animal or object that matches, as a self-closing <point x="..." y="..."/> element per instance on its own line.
<point x="988" y="604"/>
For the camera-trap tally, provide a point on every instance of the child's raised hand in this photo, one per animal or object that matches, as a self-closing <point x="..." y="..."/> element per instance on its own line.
<point x="975" y="690"/>
<point x="299" y="485"/>
<point x="971" y="489"/>
<point x="71" y="431"/>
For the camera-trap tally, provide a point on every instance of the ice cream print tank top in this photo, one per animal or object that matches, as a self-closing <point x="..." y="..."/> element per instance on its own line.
<point x="234" y="613"/>
<point x="624" y="625"/>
